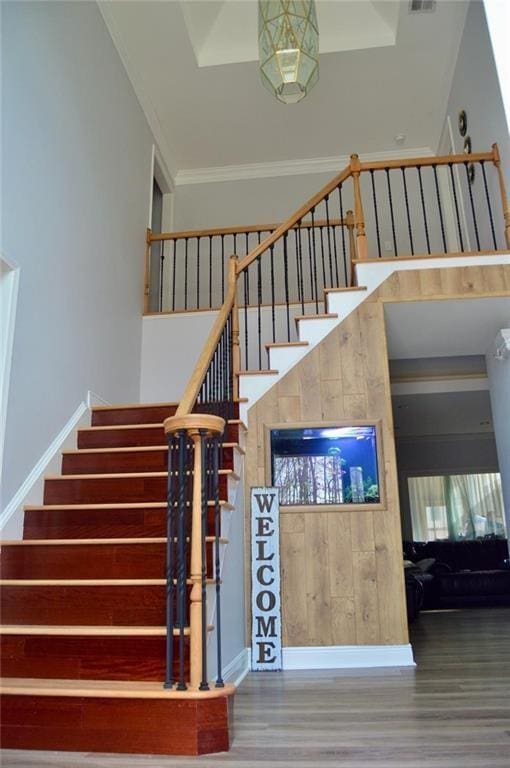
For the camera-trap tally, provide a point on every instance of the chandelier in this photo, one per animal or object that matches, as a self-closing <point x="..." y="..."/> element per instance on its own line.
<point x="288" y="48"/>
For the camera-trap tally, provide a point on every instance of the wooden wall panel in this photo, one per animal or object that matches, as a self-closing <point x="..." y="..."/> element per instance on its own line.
<point x="342" y="576"/>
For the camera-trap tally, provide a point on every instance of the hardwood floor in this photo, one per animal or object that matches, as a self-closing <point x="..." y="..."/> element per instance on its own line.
<point x="452" y="711"/>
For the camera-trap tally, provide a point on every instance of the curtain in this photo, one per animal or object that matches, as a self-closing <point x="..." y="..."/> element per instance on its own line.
<point x="456" y="506"/>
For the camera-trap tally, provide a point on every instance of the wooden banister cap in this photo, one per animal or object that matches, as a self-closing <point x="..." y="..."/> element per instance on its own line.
<point x="213" y="425"/>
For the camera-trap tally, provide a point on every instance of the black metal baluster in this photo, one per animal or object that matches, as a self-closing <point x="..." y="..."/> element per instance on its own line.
<point x="245" y="286"/>
<point x="174" y="269"/>
<point x="181" y="550"/>
<point x="217" y="574"/>
<point x="344" y="250"/>
<point x="161" y="274"/>
<point x="286" y="276"/>
<point x="459" y="228"/>
<point x="198" y="271"/>
<point x="314" y="262"/>
<point x="328" y="225"/>
<point x="473" y="212"/>
<point x="170" y="590"/>
<point x="489" y="208"/>
<point x="204" y="685"/>
<point x="376" y="213"/>
<point x="425" y="223"/>
<point x="440" y="210"/>
<point x="321" y="234"/>
<point x="392" y="217"/>
<point x="273" y="319"/>
<point x="247" y="242"/>
<point x="310" y="267"/>
<point x="409" y="227"/>
<point x="300" y="257"/>
<point x="210" y="271"/>
<point x="186" y="274"/>
<point x="222" y="268"/>
<point x="259" y="302"/>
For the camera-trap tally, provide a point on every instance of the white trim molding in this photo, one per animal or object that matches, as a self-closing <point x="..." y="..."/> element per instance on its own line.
<point x="9" y="287"/>
<point x="347" y="656"/>
<point x="237" y="669"/>
<point x="31" y="490"/>
<point x="288" y="167"/>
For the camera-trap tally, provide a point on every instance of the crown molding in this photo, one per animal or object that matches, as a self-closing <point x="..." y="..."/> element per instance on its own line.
<point x="288" y="167"/>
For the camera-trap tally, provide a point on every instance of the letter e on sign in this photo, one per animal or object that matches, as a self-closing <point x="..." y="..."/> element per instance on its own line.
<point x="266" y="633"/>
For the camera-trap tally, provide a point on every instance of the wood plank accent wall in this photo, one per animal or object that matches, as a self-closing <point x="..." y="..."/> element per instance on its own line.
<point x="342" y="577"/>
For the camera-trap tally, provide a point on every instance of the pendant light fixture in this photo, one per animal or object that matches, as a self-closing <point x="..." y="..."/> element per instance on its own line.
<point x="288" y="47"/>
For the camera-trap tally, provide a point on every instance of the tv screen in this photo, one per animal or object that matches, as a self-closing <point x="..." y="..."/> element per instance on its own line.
<point x="325" y="465"/>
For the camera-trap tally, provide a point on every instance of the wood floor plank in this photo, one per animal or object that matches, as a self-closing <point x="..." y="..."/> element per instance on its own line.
<point x="451" y="711"/>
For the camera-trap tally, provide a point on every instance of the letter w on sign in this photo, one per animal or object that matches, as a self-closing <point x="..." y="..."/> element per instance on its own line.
<point x="266" y="642"/>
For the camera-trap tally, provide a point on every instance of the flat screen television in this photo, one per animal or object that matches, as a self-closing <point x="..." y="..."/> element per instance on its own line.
<point x="325" y="465"/>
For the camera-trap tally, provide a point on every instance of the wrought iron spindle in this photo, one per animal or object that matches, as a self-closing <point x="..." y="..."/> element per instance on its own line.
<point x="392" y="216"/>
<point x="181" y="554"/>
<point x="286" y="278"/>
<point x="459" y="227"/>
<point x="299" y="246"/>
<point x="273" y="321"/>
<point x="314" y="250"/>
<point x="204" y="685"/>
<point x="245" y="288"/>
<point x="439" y="208"/>
<point x="328" y="226"/>
<point x="472" y="204"/>
<point x="174" y="269"/>
<point x="376" y="213"/>
<point x="406" y="198"/>
<point x="424" y="211"/>
<point x="210" y="271"/>
<point x="344" y="250"/>
<point x="489" y="207"/>
<point x="186" y="273"/>
<point x="259" y="302"/>
<point x="170" y="565"/>
<point x="197" y="262"/>
<point x="161" y="273"/>
<point x="217" y="564"/>
<point x="321" y="236"/>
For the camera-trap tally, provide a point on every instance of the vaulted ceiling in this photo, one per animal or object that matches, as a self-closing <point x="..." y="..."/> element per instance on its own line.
<point x="383" y="71"/>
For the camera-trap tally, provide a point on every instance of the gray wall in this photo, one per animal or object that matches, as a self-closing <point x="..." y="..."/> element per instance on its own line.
<point x="75" y="195"/>
<point x="445" y="454"/>
<point x="498" y="371"/>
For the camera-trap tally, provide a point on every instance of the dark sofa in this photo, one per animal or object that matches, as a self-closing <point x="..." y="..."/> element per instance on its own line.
<point x="462" y="573"/>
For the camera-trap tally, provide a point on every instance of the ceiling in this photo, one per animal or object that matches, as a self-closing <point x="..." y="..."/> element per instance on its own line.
<point x="378" y="79"/>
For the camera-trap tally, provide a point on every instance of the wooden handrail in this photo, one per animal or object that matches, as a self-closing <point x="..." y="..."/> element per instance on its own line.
<point x="411" y="162"/>
<point x="504" y="198"/>
<point x="197" y="233"/>
<point x="292" y="220"/>
<point x="197" y="377"/>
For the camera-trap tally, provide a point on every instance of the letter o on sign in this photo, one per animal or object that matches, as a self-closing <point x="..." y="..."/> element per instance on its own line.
<point x="266" y="600"/>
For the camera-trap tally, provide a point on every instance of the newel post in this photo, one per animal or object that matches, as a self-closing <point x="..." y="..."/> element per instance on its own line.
<point x="504" y="198"/>
<point x="199" y="427"/>
<point x="359" y="219"/>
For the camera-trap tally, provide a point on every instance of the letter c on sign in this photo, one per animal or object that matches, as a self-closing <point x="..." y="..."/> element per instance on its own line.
<point x="260" y="575"/>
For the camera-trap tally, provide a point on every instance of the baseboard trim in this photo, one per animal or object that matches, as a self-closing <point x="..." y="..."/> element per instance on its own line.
<point x="29" y="491"/>
<point x="347" y="656"/>
<point x="238" y="668"/>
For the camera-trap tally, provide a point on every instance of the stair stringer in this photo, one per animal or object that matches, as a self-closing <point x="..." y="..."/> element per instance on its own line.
<point x="370" y="275"/>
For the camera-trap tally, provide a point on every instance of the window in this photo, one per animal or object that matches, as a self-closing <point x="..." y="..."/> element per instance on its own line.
<point x="456" y="506"/>
<point x="325" y="465"/>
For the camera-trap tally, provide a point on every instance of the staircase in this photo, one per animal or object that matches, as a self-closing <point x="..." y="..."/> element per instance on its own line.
<point x="83" y="601"/>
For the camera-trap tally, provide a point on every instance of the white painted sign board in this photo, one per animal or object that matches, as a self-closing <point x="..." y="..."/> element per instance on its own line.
<point x="266" y="633"/>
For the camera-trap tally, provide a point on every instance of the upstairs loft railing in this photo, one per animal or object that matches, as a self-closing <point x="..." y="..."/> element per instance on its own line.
<point x="424" y="206"/>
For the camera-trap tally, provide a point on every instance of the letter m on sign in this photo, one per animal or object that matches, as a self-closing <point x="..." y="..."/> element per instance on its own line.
<point x="266" y="640"/>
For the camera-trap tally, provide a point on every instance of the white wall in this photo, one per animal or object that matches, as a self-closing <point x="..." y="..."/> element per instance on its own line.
<point x="498" y="371"/>
<point x="75" y="195"/>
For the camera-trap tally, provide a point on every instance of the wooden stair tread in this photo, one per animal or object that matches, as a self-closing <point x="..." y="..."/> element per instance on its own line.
<point x="346" y="290"/>
<point x="285" y="344"/>
<point x="94" y="542"/>
<point x="90" y="582"/>
<point x="126" y="475"/>
<point x="130" y="406"/>
<point x="85" y="630"/>
<point x="103" y="688"/>
<point x="113" y="505"/>
<point x="134" y="449"/>
<point x="152" y="425"/>
<point x="320" y="316"/>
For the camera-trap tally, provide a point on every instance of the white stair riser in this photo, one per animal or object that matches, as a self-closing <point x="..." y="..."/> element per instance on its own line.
<point x="253" y="387"/>
<point x="314" y="331"/>
<point x="345" y="302"/>
<point x="281" y="358"/>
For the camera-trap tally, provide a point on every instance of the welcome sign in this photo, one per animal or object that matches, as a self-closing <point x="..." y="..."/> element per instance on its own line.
<point x="266" y="643"/>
